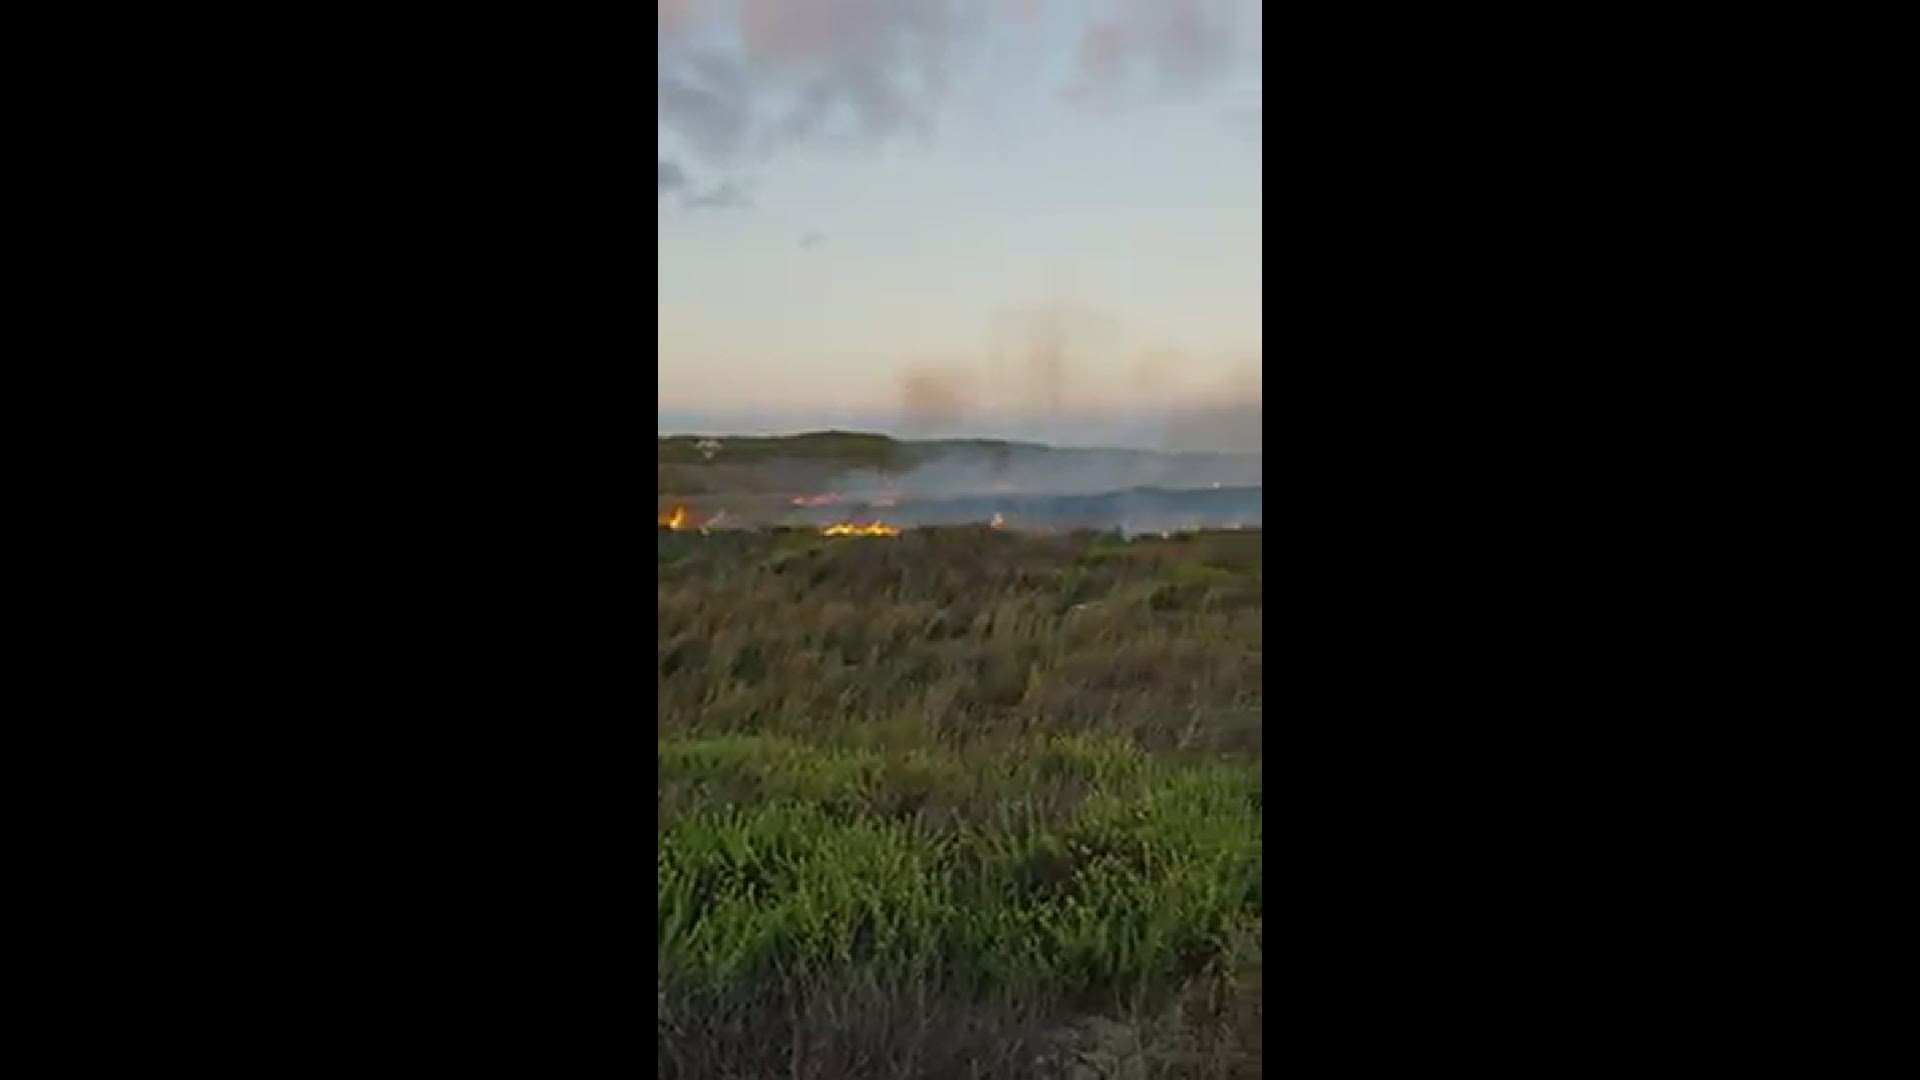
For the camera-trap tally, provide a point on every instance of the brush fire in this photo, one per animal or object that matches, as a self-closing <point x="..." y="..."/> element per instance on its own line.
<point x="848" y="528"/>
<point x="680" y="519"/>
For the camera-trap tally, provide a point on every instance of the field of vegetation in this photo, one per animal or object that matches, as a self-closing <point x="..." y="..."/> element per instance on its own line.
<point x="960" y="802"/>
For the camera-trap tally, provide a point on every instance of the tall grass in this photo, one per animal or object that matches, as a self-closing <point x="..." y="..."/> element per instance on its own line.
<point x="1008" y="779"/>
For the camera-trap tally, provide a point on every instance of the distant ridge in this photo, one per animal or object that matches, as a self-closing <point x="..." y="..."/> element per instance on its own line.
<point x="874" y="450"/>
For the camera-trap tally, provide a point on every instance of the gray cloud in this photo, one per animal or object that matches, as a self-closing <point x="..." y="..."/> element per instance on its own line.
<point x="706" y="99"/>
<point x="672" y="178"/>
<point x="726" y="195"/>
<point x="1150" y="49"/>
<point x="812" y="240"/>
<point x="860" y="72"/>
<point x="882" y="63"/>
<point x="810" y="71"/>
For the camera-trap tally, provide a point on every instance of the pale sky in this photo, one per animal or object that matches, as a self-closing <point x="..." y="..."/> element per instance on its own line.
<point x="937" y="215"/>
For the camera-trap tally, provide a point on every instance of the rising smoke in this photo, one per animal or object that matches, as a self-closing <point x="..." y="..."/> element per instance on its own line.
<point x="1056" y="374"/>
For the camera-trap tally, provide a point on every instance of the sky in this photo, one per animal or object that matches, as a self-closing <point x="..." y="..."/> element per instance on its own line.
<point x="1015" y="218"/>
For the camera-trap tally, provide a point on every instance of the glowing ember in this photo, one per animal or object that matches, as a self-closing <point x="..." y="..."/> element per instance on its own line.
<point x="676" y="520"/>
<point x="848" y="528"/>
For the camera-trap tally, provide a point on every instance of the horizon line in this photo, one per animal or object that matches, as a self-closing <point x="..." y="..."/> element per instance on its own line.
<point x="1035" y="444"/>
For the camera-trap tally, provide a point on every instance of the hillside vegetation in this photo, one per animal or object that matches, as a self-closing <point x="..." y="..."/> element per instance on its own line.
<point x="749" y="464"/>
<point x="793" y="464"/>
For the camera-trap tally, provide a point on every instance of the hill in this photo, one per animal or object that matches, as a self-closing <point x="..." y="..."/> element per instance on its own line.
<point x="810" y="462"/>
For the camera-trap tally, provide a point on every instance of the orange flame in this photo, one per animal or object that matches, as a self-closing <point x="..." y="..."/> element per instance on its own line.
<point x="676" y="520"/>
<point x="848" y="528"/>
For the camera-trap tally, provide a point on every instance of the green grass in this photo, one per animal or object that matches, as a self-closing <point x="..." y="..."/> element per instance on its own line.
<point x="1007" y="779"/>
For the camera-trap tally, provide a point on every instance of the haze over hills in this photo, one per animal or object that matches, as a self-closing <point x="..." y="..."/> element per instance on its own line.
<point x="1228" y="427"/>
<point x="949" y="465"/>
<point x="820" y="477"/>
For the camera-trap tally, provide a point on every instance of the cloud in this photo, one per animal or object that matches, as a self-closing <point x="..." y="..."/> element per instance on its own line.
<point x="809" y="71"/>
<point x="672" y="178"/>
<point x="706" y="100"/>
<point x="812" y="240"/>
<point x="726" y="195"/>
<point x="1153" y="49"/>
<point x="743" y="81"/>
<point x="882" y="63"/>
